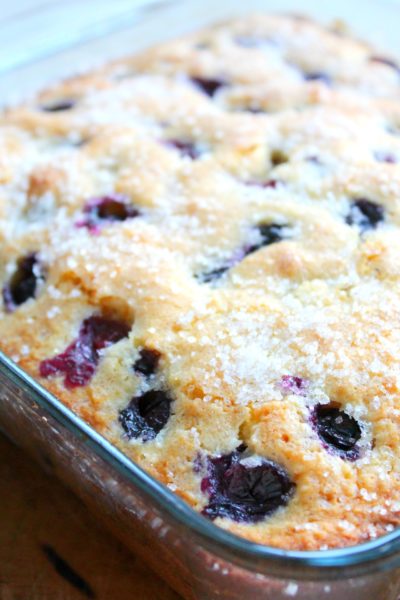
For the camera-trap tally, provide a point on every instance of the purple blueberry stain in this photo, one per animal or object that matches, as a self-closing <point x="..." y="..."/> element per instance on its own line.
<point x="209" y="86"/>
<point x="146" y="415"/>
<point x="385" y="157"/>
<point x="292" y="384"/>
<point x="104" y="210"/>
<point x="78" y="363"/>
<point x="24" y="282"/>
<point x="271" y="184"/>
<point x="337" y="430"/>
<point x="365" y="214"/>
<point x="244" y="488"/>
<point x="147" y="362"/>
<point x="199" y="464"/>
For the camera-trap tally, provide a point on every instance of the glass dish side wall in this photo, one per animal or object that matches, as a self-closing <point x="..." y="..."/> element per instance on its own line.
<point x="188" y="562"/>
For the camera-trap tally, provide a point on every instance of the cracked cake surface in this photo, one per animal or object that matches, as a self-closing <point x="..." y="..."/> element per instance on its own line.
<point x="200" y="255"/>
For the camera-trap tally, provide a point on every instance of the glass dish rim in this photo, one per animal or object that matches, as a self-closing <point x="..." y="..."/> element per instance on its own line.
<point x="361" y="555"/>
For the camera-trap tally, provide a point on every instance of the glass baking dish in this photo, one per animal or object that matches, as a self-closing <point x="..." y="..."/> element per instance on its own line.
<point x="198" y="559"/>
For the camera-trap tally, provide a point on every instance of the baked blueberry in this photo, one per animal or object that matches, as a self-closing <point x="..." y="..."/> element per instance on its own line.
<point x="214" y="274"/>
<point x="244" y="489"/>
<point x="146" y="415"/>
<point x="79" y="360"/>
<point x="147" y="362"/>
<point x="209" y="86"/>
<point x="366" y="214"/>
<point x="269" y="233"/>
<point x="222" y="268"/>
<point x="318" y="76"/>
<point x="337" y="430"/>
<point x="23" y="284"/>
<point x="59" y="105"/>
<point x="185" y="148"/>
<point x="107" y="209"/>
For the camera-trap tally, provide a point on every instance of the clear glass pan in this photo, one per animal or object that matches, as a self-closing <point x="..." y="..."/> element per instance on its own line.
<point x="197" y="558"/>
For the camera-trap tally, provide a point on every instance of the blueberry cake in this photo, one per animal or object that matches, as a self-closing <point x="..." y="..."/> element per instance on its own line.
<point x="201" y="256"/>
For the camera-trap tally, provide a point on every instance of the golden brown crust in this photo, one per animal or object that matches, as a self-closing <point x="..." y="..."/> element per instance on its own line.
<point x="302" y="107"/>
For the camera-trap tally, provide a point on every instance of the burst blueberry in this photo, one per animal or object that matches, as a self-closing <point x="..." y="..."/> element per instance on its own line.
<point x="147" y="362"/>
<point x="186" y="148"/>
<point x="146" y="415"/>
<point x="244" y="490"/>
<point x="61" y="105"/>
<point x="220" y="270"/>
<point x="79" y="360"/>
<point x="107" y="209"/>
<point x="337" y="429"/>
<point x="214" y="274"/>
<point x="23" y="284"/>
<point x="209" y="86"/>
<point x="318" y="76"/>
<point x="269" y="233"/>
<point x="365" y="214"/>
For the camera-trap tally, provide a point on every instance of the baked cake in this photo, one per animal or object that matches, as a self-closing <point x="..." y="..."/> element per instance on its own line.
<point x="201" y="257"/>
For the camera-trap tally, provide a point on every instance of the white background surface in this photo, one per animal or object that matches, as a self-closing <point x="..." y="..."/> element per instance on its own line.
<point x="34" y="28"/>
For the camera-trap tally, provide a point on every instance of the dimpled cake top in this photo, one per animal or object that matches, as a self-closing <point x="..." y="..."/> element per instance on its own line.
<point x="201" y="256"/>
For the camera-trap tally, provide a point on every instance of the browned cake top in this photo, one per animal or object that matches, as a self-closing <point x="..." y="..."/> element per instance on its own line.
<point x="200" y="255"/>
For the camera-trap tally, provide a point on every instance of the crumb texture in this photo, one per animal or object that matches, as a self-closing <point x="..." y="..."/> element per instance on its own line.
<point x="200" y="255"/>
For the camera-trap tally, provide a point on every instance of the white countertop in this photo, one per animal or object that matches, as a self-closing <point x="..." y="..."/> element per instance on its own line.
<point x="31" y="29"/>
